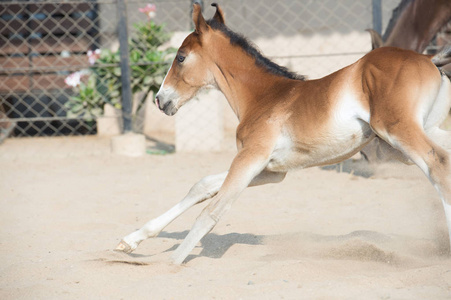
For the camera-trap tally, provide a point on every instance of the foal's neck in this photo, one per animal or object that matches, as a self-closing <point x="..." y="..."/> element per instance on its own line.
<point x="244" y="83"/>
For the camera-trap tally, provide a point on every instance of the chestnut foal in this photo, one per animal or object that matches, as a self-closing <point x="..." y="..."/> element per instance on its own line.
<point x="288" y="122"/>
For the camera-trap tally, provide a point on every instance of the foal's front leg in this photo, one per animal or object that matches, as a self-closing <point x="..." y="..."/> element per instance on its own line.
<point x="201" y="191"/>
<point x="244" y="172"/>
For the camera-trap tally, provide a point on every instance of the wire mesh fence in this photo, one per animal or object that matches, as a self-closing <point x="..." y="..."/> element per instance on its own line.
<point x="60" y="65"/>
<point x="60" y="61"/>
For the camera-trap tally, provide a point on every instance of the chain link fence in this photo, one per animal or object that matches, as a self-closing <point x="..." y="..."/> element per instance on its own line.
<point x="54" y="81"/>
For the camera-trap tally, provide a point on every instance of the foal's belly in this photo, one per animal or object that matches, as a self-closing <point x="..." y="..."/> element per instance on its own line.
<point x="329" y="147"/>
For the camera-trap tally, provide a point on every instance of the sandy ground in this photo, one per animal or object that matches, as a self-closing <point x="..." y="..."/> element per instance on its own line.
<point x="320" y="234"/>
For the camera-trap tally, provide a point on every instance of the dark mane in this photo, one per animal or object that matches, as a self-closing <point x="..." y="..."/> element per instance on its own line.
<point x="249" y="48"/>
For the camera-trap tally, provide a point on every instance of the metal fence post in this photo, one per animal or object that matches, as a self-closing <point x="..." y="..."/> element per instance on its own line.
<point x="125" y="65"/>
<point x="377" y="15"/>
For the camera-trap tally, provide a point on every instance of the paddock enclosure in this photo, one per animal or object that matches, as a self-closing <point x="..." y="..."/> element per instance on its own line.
<point x="320" y="234"/>
<point x="348" y="231"/>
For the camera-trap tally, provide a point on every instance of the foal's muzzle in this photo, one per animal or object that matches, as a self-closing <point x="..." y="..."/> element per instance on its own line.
<point x="168" y="107"/>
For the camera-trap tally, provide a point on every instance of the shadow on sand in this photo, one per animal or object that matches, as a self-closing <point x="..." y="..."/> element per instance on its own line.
<point x="214" y="245"/>
<point x="363" y="245"/>
<point x="360" y="245"/>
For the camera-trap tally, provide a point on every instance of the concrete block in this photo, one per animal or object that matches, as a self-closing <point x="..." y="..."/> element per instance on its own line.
<point x="110" y="124"/>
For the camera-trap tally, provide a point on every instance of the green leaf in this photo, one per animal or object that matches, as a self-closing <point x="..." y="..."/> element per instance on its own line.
<point x="97" y="111"/>
<point x="77" y="107"/>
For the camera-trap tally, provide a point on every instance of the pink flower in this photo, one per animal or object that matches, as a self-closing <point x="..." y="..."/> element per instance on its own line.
<point x="149" y="10"/>
<point x="74" y="79"/>
<point x="93" y="56"/>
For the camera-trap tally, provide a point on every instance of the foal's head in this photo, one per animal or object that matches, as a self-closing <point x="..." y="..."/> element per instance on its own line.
<point x="210" y="49"/>
<point x="190" y="69"/>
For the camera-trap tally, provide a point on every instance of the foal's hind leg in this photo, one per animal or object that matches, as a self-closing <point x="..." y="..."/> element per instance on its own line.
<point x="201" y="191"/>
<point x="432" y="159"/>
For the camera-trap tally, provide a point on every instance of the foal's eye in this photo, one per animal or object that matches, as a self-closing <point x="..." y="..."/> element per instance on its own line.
<point x="180" y="58"/>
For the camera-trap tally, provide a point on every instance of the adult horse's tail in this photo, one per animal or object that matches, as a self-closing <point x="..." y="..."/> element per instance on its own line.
<point x="443" y="57"/>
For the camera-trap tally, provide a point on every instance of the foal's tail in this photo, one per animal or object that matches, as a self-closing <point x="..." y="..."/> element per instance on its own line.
<point x="441" y="105"/>
<point x="438" y="114"/>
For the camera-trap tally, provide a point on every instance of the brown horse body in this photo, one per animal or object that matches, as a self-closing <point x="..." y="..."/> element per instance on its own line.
<point x="287" y="122"/>
<point x="413" y="24"/>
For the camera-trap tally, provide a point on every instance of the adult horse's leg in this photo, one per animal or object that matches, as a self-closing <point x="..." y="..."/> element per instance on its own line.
<point x="201" y="191"/>
<point x="379" y="150"/>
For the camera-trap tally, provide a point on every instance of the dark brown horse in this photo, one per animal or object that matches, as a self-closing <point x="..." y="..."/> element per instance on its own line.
<point x="413" y="24"/>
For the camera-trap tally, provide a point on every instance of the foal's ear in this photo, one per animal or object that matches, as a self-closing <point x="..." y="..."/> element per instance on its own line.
<point x="198" y="19"/>
<point x="219" y="15"/>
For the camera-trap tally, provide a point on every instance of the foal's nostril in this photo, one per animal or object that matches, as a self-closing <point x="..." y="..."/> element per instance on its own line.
<point x="157" y="101"/>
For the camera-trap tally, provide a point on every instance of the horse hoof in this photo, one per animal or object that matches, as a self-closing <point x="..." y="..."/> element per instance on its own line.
<point x="124" y="247"/>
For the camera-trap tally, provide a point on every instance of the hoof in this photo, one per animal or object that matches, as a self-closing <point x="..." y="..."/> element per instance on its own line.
<point x="124" y="247"/>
